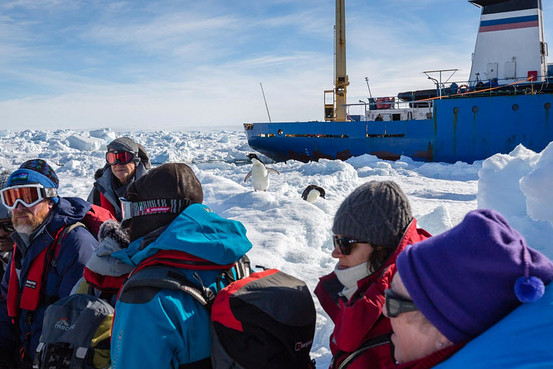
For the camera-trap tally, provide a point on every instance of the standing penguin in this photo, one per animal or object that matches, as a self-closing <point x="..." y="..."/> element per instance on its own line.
<point x="312" y="193"/>
<point x="259" y="174"/>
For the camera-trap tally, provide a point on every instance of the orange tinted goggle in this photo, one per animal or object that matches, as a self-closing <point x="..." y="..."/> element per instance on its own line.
<point x="121" y="157"/>
<point x="28" y="195"/>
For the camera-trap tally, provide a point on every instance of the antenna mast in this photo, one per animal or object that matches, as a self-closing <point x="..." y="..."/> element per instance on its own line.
<point x="264" y="99"/>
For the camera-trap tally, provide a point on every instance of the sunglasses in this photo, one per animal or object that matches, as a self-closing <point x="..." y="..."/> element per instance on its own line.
<point x="7" y="226"/>
<point x="345" y="244"/>
<point x="28" y="195"/>
<point x="119" y="157"/>
<point x="396" y="304"/>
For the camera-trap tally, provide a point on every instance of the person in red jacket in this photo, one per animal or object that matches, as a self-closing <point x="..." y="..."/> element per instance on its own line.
<point x="371" y="227"/>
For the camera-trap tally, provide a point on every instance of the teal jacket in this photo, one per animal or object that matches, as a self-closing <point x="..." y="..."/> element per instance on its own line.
<point x="522" y="340"/>
<point x="168" y="328"/>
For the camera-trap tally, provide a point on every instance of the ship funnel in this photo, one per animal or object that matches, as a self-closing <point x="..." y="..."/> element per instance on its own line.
<point x="510" y="45"/>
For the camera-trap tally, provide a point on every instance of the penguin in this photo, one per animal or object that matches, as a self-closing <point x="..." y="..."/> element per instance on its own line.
<point x="259" y="174"/>
<point x="312" y="193"/>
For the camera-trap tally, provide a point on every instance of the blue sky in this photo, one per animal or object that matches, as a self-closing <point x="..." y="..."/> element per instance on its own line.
<point x="177" y="63"/>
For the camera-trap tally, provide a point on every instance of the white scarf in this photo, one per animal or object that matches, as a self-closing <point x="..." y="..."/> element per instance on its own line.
<point x="349" y="277"/>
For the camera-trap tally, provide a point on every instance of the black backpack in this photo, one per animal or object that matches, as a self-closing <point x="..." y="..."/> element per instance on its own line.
<point x="266" y="320"/>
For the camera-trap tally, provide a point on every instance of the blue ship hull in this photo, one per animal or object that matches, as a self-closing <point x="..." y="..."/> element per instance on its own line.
<point x="464" y="128"/>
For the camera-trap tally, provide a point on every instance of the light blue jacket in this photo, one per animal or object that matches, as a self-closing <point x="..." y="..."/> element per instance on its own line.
<point x="522" y="340"/>
<point x="167" y="328"/>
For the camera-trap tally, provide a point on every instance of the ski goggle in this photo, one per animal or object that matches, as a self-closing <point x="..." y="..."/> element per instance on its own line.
<point x="345" y="244"/>
<point x="119" y="157"/>
<point x="131" y="209"/>
<point x="396" y="304"/>
<point x="28" y="195"/>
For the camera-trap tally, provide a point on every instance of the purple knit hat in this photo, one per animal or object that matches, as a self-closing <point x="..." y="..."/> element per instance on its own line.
<point x="464" y="280"/>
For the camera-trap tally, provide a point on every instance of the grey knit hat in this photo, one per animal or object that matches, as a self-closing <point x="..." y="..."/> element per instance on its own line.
<point x="376" y="212"/>
<point x="123" y="144"/>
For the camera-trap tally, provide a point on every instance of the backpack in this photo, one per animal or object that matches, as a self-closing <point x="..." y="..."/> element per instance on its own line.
<point x="266" y="320"/>
<point x="259" y="320"/>
<point x="76" y="333"/>
<point x="95" y="217"/>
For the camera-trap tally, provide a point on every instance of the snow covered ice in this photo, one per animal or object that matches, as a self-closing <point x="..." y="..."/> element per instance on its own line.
<point x="287" y="232"/>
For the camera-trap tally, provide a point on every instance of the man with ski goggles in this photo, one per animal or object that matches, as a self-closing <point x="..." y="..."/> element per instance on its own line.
<point x="48" y="259"/>
<point x="126" y="161"/>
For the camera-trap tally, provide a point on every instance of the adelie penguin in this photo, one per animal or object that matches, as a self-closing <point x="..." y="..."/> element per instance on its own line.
<point x="312" y="193"/>
<point x="259" y="174"/>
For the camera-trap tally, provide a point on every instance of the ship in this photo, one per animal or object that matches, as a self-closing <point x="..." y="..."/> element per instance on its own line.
<point x="506" y="102"/>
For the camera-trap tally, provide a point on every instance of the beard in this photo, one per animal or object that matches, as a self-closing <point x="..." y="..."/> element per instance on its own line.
<point x="26" y="220"/>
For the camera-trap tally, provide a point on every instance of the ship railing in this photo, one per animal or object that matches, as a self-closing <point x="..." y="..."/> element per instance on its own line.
<point x="533" y="83"/>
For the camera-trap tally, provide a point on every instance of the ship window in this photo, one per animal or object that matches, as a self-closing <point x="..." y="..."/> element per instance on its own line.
<point x="396" y="116"/>
<point x="474" y="109"/>
<point x="515" y="107"/>
<point x="280" y="132"/>
<point x="547" y="106"/>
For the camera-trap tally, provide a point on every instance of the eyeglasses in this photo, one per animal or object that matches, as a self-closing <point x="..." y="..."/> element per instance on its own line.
<point x="396" y="304"/>
<point x="345" y="244"/>
<point x="119" y="157"/>
<point x="131" y="209"/>
<point x="7" y="226"/>
<point x="28" y="195"/>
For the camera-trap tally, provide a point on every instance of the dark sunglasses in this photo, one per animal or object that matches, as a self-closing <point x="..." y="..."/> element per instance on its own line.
<point x="119" y="157"/>
<point x="7" y="226"/>
<point x="396" y="304"/>
<point x="345" y="244"/>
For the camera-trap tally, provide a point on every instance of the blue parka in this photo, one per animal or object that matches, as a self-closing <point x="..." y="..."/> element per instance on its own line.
<point x="523" y="339"/>
<point x="168" y="328"/>
<point x="74" y="252"/>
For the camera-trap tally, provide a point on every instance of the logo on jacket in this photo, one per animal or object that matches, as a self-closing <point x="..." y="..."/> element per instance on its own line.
<point x="302" y="345"/>
<point x="63" y="325"/>
<point x="30" y="284"/>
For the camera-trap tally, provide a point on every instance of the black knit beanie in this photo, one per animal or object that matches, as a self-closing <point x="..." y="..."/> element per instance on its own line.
<point x="168" y="181"/>
<point x="376" y="212"/>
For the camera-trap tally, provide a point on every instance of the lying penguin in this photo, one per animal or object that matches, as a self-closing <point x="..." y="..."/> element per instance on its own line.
<point x="312" y="193"/>
<point x="259" y="174"/>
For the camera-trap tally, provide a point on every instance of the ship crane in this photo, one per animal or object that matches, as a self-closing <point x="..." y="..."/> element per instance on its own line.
<point x="335" y="100"/>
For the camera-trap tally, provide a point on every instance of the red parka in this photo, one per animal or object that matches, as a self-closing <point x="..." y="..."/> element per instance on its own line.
<point x="360" y="319"/>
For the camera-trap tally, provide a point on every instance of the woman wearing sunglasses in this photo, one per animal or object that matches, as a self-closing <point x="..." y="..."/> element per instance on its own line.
<point x="126" y="161"/>
<point x="475" y="296"/>
<point x="371" y="227"/>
